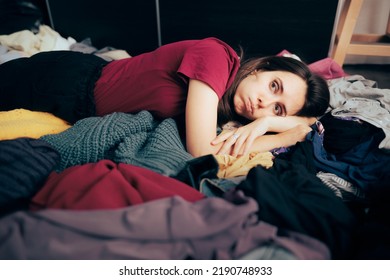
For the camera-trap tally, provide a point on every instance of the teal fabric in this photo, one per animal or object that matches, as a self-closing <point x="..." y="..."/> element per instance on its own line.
<point x="136" y="139"/>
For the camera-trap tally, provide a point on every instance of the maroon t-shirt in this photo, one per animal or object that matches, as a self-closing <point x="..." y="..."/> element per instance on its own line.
<point x="158" y="81"/>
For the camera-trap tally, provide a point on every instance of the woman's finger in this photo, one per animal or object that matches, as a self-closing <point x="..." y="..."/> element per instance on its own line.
<point x="227" y="145"/>
<point x="248" y="144"/>
<point x="223" y="136"/>
<point x="238" y="144"/>
<point x="243" y="145"/>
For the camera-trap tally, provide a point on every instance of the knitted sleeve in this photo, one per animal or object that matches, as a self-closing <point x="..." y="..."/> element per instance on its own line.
<point x="135" y="139"/>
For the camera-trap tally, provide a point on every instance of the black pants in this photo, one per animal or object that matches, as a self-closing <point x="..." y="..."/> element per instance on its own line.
<point x="58" y="82"/>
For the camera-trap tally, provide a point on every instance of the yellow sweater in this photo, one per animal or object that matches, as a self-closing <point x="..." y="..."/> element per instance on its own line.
<point x="25" y="123"/>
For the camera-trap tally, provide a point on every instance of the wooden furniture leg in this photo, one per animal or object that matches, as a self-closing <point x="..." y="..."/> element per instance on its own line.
<point x="358" y="44"/>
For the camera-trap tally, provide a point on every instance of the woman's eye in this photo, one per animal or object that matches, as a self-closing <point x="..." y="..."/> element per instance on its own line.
<point x="274" y="86"/>
<point x="278" y="110"/>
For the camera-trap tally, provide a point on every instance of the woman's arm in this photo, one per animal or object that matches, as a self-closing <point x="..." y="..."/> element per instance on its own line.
<point x="281" y="124"/>
<point x="201" y="119"/>
<point x="287" y="138"/>
<point x="250" y="137"/>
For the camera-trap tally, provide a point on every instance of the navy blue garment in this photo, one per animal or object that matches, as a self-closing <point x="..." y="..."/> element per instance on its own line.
<point x="365" y="165"/>
<point x="58" y="82"/>
<point x="369" y="165"/>
<point x="25" y="164"/>
<point x="341" y="135"/>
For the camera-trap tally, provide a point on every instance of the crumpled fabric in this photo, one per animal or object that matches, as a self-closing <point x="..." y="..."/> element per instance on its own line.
<point x="137" y="139"/>
<point x="33" y="124"/>
<point x="25" y="164"/>
<point x="169" y="228"/>
<point x="230" y="166"/>
<point x="354" y="96"/>
<point x="46" y="39"/>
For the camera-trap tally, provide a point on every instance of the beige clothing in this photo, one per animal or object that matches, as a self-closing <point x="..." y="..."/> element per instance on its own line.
<point x="45" y="40"/>
<point x="230" y="166"/>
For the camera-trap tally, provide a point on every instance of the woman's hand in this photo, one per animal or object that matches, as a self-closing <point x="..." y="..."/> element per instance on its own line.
<point x="251" y="137"/>
<point x="239" y="141"/>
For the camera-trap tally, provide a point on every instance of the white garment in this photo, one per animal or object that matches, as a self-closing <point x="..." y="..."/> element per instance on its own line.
<point x="45" y="40"/>
<point x="354" y="96"/>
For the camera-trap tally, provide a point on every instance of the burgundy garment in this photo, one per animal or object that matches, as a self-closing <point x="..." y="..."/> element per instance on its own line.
<point x="327" y="68"/>
<point x="107" y="185"/>
<point x="157" y="81"/>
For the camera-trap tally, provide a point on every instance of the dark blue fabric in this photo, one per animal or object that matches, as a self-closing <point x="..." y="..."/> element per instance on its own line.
<point x="343" y="134"/>
<point x="25" y="164"/>
<point x="365" y="165"/>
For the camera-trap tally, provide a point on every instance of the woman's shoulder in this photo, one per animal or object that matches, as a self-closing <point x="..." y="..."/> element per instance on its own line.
<point x="214" y="40"/>
<point x="215" y="43"/>
<point x="206" y="40"/>
<point x="205" y="45"/>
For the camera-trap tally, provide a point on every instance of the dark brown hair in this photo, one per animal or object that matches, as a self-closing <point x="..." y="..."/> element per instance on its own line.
<point x="317" y="95"/>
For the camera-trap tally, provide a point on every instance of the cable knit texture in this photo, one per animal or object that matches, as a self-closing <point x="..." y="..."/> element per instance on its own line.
<point x="136" y="139"/>
<point x="24" y="166"/>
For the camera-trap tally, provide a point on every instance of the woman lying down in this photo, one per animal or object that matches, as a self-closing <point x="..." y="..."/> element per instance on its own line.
<point x="200" y="83"/>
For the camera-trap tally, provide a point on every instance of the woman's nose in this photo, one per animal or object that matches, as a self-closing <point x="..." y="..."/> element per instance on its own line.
<point x="264" y="101"/>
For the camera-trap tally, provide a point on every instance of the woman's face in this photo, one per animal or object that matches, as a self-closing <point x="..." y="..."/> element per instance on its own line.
<point x="270" y="93"/>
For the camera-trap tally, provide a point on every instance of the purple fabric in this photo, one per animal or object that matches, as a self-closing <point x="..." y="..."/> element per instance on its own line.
<point x="169" y="228"/>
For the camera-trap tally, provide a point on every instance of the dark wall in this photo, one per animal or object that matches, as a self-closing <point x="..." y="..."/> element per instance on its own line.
<point x="261" y="27"/>
<point x="303" y="27"/>
<point x="17" y="15"/>
<point x="124" y="24"/>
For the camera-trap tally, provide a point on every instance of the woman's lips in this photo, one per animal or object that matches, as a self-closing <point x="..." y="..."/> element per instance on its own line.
<point x="249" y="107"/>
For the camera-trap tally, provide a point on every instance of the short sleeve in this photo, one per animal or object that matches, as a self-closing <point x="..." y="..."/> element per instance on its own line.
<point x="211" y="61"/>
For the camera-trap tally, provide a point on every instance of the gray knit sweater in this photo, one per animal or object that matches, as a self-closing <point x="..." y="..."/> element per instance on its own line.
<point x="136" y="139"/>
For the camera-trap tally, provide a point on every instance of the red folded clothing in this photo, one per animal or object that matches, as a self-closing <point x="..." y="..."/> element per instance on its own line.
<point x="108" y="185"/>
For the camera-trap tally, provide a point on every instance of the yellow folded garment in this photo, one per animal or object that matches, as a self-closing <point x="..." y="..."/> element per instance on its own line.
<point x="25" y="123"/>
<point x="230" y="166"/>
